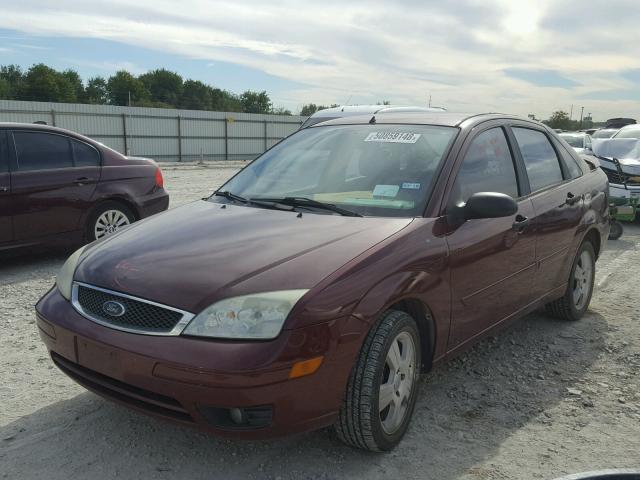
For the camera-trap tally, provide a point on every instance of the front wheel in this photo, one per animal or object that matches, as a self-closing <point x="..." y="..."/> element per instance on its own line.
<point x="574" y="303"/>
<point x="383" y="385"/>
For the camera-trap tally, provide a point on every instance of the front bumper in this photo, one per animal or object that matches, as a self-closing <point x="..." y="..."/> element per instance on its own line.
<point x="620" y="191"/>
<point x="184" y="379"/>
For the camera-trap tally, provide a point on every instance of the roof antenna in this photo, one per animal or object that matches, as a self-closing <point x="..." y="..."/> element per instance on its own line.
<point x="373" y="119"/>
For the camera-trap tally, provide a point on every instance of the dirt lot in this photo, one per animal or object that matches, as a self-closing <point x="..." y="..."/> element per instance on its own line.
<point x="538" y="400"/>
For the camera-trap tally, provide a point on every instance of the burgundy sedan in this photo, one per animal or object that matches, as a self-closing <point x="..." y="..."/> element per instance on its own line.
<point x="314" y="286"/>
<point x="58" y="187"/>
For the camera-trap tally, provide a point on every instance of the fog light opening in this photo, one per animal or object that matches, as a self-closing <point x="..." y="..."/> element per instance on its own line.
<point x="237" y="416"/>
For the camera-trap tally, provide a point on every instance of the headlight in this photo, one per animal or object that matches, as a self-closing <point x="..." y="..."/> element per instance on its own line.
<point x="258" y="316"/>
<point x="64" y="280"/>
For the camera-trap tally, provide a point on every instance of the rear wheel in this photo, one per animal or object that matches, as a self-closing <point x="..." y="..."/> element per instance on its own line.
<point x="108" y="218"/>
<point x="574" y="303"/>
<point x="383" y="385"/>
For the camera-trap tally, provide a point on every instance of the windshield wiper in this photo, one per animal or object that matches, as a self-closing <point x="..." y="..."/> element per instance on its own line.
<point x="306" y="202"/>
<point x="231" y="196"/>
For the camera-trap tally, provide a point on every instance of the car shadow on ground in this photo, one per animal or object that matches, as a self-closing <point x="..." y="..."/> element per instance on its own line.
<point x="466" y="409"/>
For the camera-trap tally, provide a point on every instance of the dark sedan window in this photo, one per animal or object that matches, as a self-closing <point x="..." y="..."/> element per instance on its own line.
<point x="4" y="160"/>
<point x="39" y="151"/>
<point x="487" y="167"/>
<point x="540" y="159"/>
<point x="85" y="155"/>
<point x="572" y="164"/>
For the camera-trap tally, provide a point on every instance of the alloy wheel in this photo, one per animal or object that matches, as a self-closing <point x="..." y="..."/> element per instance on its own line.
<point x="110" y="222"/>
<point x="582" y="279"/>
<point x="397" y="383"/>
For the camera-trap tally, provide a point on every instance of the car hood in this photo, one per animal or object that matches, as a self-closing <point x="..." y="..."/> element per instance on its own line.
<point x="192" y="256"/>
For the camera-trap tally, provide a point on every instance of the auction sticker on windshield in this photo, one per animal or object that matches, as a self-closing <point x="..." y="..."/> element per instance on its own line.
<point x="393" y="137"/>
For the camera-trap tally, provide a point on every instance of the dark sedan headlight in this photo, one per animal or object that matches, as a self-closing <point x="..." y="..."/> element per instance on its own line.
<point x="64" y="280"/>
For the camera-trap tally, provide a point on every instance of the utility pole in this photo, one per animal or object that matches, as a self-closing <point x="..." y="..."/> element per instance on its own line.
<point x="429" y="100"/>
<point x="571" y="113"/>
<point x="581" y="112"/>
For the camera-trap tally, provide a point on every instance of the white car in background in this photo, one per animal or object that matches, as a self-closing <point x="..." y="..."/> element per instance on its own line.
<point x="351" y="110"/>
<point x="580" y="141"/>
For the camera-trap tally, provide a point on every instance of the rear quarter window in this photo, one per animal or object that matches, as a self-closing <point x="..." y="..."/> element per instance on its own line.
<point x="4" y="152"/>
<point x="85" y="155"/>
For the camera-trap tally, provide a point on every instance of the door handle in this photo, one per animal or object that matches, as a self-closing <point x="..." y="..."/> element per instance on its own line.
<point x="572" y="199"/>
<point x="81" y="180"/>
<point x="521" y="222"/>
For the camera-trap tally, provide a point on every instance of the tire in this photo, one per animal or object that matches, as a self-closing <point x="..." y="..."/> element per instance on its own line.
<point x="616" y="230"/>
<point x="107" y="218"/>
<point x="361" y="423"/>
<point x="580" y="284"/>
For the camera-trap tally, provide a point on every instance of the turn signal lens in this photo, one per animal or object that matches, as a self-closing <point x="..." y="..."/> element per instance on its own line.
<point x="159" y="179"/>
<point x="306" y="367"/>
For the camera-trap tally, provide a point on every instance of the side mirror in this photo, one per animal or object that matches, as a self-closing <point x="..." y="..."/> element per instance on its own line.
<point x="489" y="205"/>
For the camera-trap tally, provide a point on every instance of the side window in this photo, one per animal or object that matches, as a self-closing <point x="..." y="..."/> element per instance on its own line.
<point x="587" y="142"/>
<point x="540" y="159"/>
<point x="487" y="167"/>
<point x="574" y="168"/>
<point x="4" y="152"/>
<point x="38" y="151"/>
<point x="85" y="155"/>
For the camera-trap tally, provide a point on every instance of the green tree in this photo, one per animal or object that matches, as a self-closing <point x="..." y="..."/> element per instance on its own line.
<point x="225" y="101"/>
<point x="5" y="89"/>
<point x="255" y="102"/>
<point x="196" y="96"/>
<point x="559" y="119"/>
<point x="42" y="83"/>
<point x="164" y="86"/>
<point x="13" y="76"/>
<point x="122" y="86"/>
<point x="96" y="91"/>
<point x="308" y="109"/>
<point x="72" y="80"/>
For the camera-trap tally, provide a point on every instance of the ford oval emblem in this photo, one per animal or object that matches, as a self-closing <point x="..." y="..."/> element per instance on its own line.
<point x="113" y="308"/>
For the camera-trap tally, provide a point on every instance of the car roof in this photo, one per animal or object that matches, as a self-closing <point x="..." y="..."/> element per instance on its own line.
<point x="443" y="118"/>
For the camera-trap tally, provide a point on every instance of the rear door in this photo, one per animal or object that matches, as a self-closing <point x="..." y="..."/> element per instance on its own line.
<point x="53" y="180"/>
<point x="558" y="202"/>
<point x="492" y="260"/>
<point x="6" y="228"/>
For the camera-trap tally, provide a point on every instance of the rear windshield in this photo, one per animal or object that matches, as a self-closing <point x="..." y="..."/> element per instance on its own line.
<point x="377" y="170"/>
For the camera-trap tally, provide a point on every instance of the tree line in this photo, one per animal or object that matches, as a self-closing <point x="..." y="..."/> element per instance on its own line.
<point x="159" y="88"/>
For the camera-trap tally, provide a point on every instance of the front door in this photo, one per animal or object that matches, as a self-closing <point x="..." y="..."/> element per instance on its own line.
<point x="492" y="261"/>
<point x="50" y="191"/>
<point x="6" y="228"/>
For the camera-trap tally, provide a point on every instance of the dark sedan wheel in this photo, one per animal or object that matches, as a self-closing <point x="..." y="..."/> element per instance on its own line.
<point x="574" y="303"/>
<point x="108" y="218"/>
<point x="383" y="385"/>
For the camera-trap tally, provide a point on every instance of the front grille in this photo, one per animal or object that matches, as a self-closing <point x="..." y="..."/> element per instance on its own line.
<point x="614" y="176"/>
<point x="151" y="402"/>
<point x="138" y="315"/>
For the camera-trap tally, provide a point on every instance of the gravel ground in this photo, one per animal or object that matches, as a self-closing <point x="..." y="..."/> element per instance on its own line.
<point x="538" y="400"/>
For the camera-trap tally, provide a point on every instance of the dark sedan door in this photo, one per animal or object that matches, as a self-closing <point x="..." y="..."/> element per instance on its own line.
<point x="558" y="200"/>
<point x="6" y="228"/>
<point x="492" y="260"/>
<point x="50" y="192"/>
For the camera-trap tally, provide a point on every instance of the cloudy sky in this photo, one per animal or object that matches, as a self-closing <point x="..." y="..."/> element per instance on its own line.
<point x="491" y="55"/>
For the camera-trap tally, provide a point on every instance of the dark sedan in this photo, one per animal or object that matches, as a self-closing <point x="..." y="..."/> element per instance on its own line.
<point x="58" y="187"/>
<point x="314" y="286"/>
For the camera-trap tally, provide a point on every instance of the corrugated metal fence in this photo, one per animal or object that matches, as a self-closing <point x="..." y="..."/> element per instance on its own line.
<point x="162" y="134"/>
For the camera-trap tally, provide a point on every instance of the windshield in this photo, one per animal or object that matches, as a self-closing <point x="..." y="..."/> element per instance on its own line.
<point x="376" y="170"/>
<point x="633" y="132"/>
<point x="576" y="141"/>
